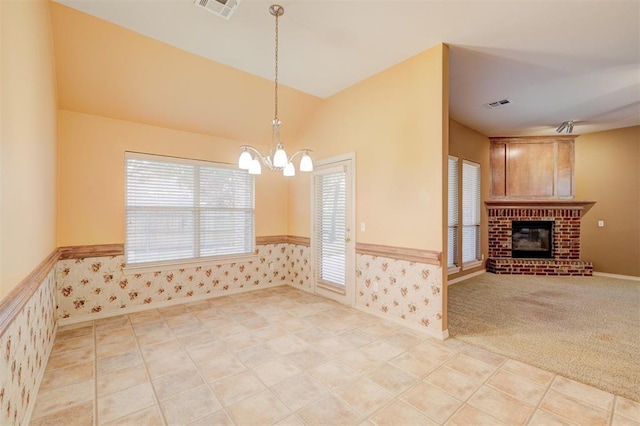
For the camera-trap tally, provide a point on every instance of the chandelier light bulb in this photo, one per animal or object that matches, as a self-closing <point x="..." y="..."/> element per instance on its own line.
<point x="289" y="170"/>
<point x="280" y="157"/>
<point x="244" y="162"/>
<point x="255" y="168"/>
<point x="306" y="164"/>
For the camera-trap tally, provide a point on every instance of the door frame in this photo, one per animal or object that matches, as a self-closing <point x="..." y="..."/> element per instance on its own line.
<point x="349" y="298"/>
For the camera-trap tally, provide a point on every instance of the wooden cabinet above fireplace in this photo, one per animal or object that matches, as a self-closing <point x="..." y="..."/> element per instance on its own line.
<point x="532" y="168"/>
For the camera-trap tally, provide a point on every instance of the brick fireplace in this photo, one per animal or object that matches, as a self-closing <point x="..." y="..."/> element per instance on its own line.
<point x="565" y="255"/>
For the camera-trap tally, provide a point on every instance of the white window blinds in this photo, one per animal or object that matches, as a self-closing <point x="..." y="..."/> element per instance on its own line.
<point x="470" y="211"/>
<point x="180" y="209"/>
<point x="330" y="227"/>
<point x="453" y="206"/>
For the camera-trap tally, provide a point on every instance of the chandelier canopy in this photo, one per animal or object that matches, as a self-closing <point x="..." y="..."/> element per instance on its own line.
<point x="251" y="159"/>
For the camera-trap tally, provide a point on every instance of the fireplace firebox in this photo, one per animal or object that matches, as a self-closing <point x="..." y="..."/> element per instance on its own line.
<point x="532" y="239"/>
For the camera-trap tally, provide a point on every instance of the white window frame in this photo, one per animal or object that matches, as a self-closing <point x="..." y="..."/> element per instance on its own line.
<point x="464" y="219"/>
<point x="195" y="261"/>
<point x="453" y="205"/>
<point x="471" y="218"/>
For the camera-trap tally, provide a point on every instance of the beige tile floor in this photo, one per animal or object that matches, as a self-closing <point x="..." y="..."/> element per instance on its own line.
<point x="282" y="356"/>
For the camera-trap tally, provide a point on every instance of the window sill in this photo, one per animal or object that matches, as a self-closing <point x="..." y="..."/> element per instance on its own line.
<point x="471" y="265"/>
<point x="187" y="263"/>
<point x="453" y="270"/>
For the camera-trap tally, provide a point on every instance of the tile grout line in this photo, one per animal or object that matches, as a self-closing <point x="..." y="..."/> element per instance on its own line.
<point x="186" y="352"/>
<point x="399" y="396"/>
<point x="610" y="411"/>
<point x="613" y="409"/>
<point x="485" y="382"/>
<point x="146" y="371"/>
<point x="544" y="395"/>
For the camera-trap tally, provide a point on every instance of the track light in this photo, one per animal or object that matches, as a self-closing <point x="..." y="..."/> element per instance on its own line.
<point x="565" y="125"/>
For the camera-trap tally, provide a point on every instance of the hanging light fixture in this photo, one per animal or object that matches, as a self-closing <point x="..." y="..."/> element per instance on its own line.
<point x="251" y="159"/>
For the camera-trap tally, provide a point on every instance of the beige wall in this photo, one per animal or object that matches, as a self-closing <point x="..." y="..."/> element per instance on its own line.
<point x="467" y="144"/>
<point x="91" y="175"/>
<point x="27" y="144"/>
<point x="123" y="91"/>
<point x="109" y="71"/>
<point x="607" y="170"/>
<point x="393" y="121"/>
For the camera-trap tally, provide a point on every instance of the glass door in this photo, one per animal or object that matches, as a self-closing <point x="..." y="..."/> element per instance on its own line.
<point x="332" y="236"/>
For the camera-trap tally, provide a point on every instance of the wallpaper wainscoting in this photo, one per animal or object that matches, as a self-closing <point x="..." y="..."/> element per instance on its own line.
<point x="299" y="267"/>
<point x="98" y="286"/>
<point x="407" y="292"/>
<point x="25" y="347"/>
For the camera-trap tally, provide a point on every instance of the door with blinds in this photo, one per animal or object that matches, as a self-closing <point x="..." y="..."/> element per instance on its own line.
<point x="332" y="234"/>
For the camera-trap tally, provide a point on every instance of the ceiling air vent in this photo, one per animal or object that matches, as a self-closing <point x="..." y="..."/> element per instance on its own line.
<point x="499" y="103"/>
<point x="224" y="8"/>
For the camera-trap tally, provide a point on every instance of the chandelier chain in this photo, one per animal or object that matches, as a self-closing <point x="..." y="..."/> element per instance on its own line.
<point x="276" y="71"/>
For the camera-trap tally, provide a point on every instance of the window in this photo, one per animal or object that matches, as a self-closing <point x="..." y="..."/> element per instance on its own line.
<point x="470" y="212"/>
<point x="452" y="229"/>
<point x="463" y="236"/>
<point x="182" y="210"/>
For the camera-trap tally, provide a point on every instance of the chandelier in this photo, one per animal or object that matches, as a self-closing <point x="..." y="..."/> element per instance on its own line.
<point x="251" y="159"/>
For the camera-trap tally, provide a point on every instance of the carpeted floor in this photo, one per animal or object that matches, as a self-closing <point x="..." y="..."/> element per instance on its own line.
<point x="583" y="328"/>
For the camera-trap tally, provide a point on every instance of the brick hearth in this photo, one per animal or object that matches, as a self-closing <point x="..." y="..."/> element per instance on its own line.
<point x="566" y="216"/>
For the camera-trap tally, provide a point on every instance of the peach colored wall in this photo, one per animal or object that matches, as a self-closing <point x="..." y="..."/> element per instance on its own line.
<point x="607" y="170"/>
<point x="393" y="121"/>
<point x="27" y="143"/>
<point x="91" y="175"/>
<point x="113" y="72"/>
<point x="467" y="144"/>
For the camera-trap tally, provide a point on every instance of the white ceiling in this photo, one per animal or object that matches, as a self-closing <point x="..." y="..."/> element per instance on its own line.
<point x="555" y="60"/>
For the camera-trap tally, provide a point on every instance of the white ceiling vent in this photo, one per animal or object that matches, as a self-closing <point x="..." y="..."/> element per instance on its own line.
<point x="499" y="103"/>
<point x="224" y="8"/>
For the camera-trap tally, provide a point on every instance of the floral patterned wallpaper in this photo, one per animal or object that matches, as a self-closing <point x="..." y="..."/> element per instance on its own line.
<point x="299" y="267"/>
<point x="25" y="348"/>
<point x="408" y="291"/>
<point x="99" y="285"/>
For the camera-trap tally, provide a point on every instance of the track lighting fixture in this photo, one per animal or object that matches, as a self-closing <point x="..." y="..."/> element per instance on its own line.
<point x="568" y="125"/>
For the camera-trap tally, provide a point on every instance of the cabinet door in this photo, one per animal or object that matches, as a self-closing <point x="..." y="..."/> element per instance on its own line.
<point x="530" y="170"/>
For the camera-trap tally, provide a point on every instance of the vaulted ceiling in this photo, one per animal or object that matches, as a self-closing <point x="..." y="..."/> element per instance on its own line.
<point x="554" y="60"/>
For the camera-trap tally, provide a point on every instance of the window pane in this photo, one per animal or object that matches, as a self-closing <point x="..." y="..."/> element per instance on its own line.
<point x="150" y="183"/>
<point x="331" y="227"/>
<point x="470" y="243"/>
<point x="452" y="254"/>
<point x="225" y="232"/>
<point x="452" y="212"/>
<point x="226" y="188"/>
<point x="181" y="209"/>
<point x="158" y="235"/>
<point x="470" y="211"/>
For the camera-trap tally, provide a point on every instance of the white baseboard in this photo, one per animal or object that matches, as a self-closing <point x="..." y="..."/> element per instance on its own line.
<point x="466" y="277"/>
<point x="622" y="277"/>
<point x="164" y="304"/>
<point x="442" y="335"/>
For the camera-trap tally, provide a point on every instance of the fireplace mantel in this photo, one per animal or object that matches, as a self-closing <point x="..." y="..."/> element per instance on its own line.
<point x="519" y="203"/>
